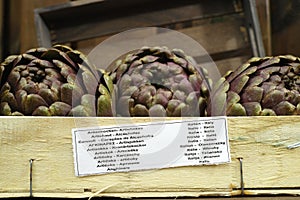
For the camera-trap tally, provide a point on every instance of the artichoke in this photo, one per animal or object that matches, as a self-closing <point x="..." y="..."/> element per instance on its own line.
<point x="262" y="86"/>
<point x="58" y="81"/>
<point x="156" y="81"/>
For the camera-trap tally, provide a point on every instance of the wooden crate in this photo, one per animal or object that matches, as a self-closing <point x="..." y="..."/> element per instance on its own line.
<point x="270" y="162"/>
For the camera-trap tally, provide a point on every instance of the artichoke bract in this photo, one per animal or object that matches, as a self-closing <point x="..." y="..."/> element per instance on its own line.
<point x="48" y="82"/>
<point x="156" y="81"/>
<point x="262" y="86"/>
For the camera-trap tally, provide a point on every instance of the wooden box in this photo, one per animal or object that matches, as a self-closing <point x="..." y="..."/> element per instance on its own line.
<point x="268" y="146"/>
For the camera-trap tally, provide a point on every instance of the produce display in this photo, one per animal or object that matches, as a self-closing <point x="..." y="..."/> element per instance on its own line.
<point x="150" y="81"/>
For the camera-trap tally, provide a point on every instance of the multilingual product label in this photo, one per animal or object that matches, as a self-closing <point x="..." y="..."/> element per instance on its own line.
<point x="152" y="145"/>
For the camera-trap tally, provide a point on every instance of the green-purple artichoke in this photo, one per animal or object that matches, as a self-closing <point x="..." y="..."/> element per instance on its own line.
<point x="156" y="81"/>
<point x="58" y="81"/>
<point x="262" y="86"/>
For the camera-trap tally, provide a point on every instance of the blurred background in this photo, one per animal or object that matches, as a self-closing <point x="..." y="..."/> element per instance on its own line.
<point x="231" y="31"/>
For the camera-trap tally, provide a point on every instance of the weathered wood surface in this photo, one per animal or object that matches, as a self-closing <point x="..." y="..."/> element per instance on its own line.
<point x="269" y="165"/>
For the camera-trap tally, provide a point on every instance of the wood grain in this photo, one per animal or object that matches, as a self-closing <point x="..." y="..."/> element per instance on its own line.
<point x="269" y="165"/>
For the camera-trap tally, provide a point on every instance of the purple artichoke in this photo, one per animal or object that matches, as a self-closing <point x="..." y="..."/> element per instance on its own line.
<point x="156" y="81"/>
<point x="58" y="81"/>
<point x="262" y="86"/>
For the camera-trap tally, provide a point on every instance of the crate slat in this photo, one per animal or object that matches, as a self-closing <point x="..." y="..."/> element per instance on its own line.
<point x="269" y="166"/>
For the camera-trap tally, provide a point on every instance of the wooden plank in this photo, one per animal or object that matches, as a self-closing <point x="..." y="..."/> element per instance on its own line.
<point x="12" y="26"/>
<point x="263" y="10"/>
<point x="269" y="166"/>
<point x="219" y="34"/>
<point x="98" y="18"/>
<point x="26" y="24"/>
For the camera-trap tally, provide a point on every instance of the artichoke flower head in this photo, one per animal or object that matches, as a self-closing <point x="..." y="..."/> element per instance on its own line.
<point x="156" y="81"/>
<point x="262" y="86"/>
<point x="47" y="82"/>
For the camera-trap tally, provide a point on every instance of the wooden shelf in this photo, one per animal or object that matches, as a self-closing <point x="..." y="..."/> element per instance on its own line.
<point x="85" y="19"/>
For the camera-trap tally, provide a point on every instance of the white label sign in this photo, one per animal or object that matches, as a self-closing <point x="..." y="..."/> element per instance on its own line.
<point x="154" y="145"/>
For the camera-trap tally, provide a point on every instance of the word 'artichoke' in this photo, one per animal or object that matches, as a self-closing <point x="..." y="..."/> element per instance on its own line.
<point x="57" y="81"/>
<point x="156" y="81"/>
<point x="262" y="86"/>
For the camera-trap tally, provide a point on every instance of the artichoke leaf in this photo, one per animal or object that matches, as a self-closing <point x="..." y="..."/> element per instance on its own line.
<point x="236" y="110"/>
<point x="104" y="106"/>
